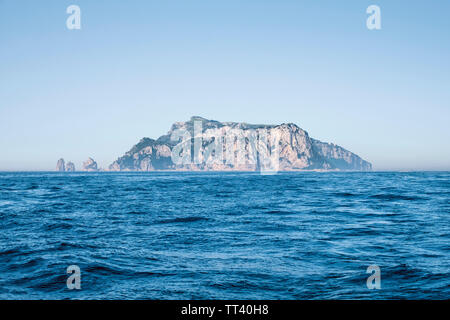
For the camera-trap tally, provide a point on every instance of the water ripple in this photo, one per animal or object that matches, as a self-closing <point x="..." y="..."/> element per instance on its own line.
<point x="225" y="235"/>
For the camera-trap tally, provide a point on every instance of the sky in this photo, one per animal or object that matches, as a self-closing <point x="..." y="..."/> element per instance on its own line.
<point x="136" y="67"/>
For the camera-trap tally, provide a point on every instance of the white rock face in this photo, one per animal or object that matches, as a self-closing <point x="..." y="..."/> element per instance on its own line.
<point x="60" y="165"/>
<point x="90" y="165"/>
<point x="201" y="144"/>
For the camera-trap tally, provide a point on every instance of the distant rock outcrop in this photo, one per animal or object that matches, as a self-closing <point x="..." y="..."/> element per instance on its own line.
<point x="340" y="158"/>
<point x="90" y="165"/>
<point x="70" y="167"/>
<point x="60" y="165"/>
<point x="203" y="144"/>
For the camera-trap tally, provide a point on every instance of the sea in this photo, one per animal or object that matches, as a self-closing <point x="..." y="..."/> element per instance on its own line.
<point x="216" y="235"/>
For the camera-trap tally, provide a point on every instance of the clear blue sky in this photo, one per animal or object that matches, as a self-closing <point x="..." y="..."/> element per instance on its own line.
<point x="135" y="67"/>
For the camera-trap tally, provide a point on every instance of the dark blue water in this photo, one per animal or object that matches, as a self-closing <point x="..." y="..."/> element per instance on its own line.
<point x="224" y="235"/>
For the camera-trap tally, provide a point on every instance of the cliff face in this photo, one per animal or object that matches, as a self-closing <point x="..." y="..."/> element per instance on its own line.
<point x="201" y="144"/>
<point x="340" y="158"/>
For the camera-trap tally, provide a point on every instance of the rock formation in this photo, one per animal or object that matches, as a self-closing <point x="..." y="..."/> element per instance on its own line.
<point x="60" y="165"/>
<point x="201" y="144"/>
<point x="90" y="165"/>
<point x="70" y="167"/>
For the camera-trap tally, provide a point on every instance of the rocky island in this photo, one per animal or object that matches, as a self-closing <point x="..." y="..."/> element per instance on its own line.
<point x="70" y="167"/>
<point x="88" y="165"/>
<point x="62" y="166"/>
<point x="201" y="144"/>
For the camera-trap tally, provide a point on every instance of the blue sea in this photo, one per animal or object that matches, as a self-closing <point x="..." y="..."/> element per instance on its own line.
<point x="181" y="235"/>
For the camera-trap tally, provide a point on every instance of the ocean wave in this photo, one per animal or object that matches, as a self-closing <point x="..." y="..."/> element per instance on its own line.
<point x="235" y="236"/>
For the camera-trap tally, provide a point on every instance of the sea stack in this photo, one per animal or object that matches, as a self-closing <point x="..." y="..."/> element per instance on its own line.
<point x="90" y="165"/>
<point x="70" y="167"/>
<point x="60" y="165"/>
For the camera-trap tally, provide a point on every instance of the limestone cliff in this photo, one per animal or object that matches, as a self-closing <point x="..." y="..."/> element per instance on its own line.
<point x="201" y="144"/>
